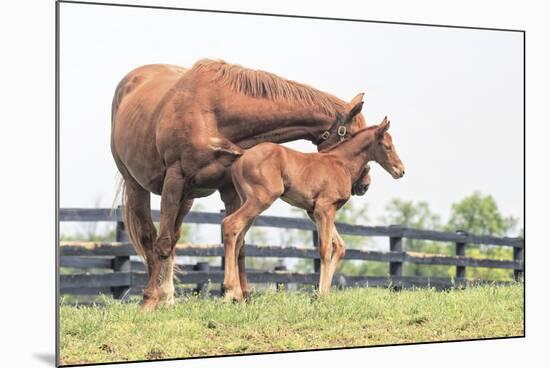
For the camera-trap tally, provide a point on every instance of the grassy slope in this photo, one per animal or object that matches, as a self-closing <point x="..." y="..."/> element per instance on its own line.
<point x="288" y="321"/>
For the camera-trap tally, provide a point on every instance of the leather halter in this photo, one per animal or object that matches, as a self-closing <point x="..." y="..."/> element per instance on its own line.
<point x="341" y="132"/>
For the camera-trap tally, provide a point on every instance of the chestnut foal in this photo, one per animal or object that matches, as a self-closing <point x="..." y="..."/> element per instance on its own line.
<point x="319" y="183"/>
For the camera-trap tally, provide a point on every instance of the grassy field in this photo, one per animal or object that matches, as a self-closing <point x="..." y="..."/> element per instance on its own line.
<point x="288" y="321"/>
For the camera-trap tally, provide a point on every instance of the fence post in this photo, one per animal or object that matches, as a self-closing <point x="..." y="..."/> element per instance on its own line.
<point x="317" y="260"/>
<point x="460" y="250"/>
<point x="201" y="266"/>
<point x="280" y="285"/>
<point x="518" y="257"/>
<point x="121" y="263"/>
<point x="396" y="245"/>
<point x="222" y="263"/>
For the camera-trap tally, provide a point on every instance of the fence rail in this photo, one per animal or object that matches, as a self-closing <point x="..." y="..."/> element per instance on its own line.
<point x="124" y="276"/>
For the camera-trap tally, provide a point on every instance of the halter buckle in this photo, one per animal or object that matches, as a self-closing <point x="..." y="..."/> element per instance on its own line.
<point x="325" y="135"/>
<point x="341" y="131"/>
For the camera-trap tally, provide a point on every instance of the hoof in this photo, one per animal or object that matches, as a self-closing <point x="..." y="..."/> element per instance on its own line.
<point x="150" y="303"/>
<point x="148" y="307"/>
<point x="233" y="296"/>
<point x="169" y="302"/>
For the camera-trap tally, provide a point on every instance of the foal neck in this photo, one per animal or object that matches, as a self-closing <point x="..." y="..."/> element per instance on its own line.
<point x="355" y="152"/>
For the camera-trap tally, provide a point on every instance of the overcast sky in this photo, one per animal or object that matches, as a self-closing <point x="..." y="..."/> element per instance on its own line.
<point x="454" y="96"/>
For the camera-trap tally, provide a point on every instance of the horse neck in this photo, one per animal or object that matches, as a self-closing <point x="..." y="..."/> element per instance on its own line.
<point x="248" y="121"/>
<point x="355" y="152"/>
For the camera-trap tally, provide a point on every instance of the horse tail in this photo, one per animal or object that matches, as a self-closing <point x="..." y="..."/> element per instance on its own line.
<point x="136" y="215"/>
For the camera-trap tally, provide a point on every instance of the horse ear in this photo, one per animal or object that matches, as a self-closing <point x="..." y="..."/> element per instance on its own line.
<point x="357" y="99"/>
<point x="356" y="109"/>
<point x="382" y="128"/>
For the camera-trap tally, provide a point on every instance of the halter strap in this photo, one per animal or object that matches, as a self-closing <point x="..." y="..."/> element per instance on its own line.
<point x="342" y="130"/>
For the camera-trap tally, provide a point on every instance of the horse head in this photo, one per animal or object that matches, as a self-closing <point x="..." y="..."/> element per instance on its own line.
<point x="345" y="126"/>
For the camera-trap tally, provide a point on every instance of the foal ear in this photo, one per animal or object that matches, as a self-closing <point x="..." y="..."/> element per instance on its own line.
<point x="382" y="128"/>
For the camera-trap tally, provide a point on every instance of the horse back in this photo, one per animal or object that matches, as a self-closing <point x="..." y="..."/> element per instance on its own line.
<point x="137" y="98"/>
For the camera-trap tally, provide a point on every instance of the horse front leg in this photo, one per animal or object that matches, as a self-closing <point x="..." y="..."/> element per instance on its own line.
<point x="324" y="219"/>
<point x="162" y="270"/>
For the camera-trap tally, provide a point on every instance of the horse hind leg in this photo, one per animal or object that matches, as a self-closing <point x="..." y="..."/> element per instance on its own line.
<point x="167" y="289"/>
<point x="164" y="246"/>
<point x="142" y="232"/>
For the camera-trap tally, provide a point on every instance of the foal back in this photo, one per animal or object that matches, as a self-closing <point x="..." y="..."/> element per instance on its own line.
<point x="269" y="171"/>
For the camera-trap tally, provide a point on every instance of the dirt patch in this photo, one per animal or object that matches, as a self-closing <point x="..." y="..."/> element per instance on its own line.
<point x="154" y="354"/>
<point x="107" y="349"/>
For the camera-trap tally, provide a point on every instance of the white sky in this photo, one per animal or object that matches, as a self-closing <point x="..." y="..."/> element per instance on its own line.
<point x="454" y="96"/>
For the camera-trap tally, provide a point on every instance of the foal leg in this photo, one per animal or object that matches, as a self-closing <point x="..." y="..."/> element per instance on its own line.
<point x="338" y="248"/>
<point x="338" y="251"/>
<point x="240" y="252"/>
<point x="167" y="284"/>
<point x="232" y="203"/>
<point x="234" y="230"/>
<point x="324" y="219"/>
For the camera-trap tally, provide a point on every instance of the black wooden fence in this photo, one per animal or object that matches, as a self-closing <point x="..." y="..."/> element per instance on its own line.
<point x="124" y="276"/>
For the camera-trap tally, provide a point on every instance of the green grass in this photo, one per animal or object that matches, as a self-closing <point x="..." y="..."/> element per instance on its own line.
<point x="288" y="321"/>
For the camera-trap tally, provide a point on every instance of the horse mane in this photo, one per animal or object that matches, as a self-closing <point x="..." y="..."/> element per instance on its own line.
<point x="259" y="83"/>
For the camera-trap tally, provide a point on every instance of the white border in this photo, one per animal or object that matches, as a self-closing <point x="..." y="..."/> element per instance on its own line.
<point x="27" y="151"/>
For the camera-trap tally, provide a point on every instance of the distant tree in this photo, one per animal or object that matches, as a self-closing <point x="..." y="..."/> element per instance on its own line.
<point x="88" y="236"/>
<point x="479" y="214"/>
<point x="259" y="236"/>
<point x="417" y="215"/>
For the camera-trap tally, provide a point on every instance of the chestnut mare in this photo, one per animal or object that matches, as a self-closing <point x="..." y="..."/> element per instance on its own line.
<point x="316" y="182"/>
<point x="176" y="131"/>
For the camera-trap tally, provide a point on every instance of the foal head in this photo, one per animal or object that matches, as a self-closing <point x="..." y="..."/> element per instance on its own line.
<point x="384" y="153"/>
